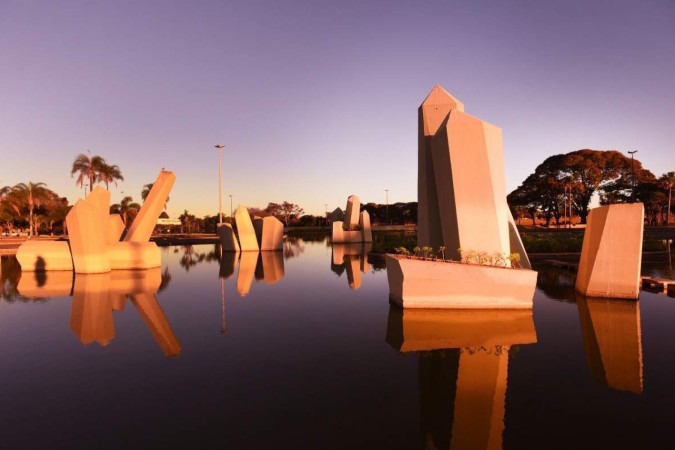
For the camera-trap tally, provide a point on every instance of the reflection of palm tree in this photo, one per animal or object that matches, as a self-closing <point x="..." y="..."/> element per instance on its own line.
<point x="87" y="168"/>
<point x="190" y="257"/>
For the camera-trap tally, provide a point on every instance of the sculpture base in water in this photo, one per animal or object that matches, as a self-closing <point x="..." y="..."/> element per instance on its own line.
<point x="416" y="283"/>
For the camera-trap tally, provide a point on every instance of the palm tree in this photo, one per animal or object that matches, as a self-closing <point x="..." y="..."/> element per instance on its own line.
<point x="146" y="191"/>
<point x="124" y="208"/>
<point x="667" y="180"/>
<point x="31" y="195"/>
<point x="87" y="168"/>
<point x="110" y="174"/>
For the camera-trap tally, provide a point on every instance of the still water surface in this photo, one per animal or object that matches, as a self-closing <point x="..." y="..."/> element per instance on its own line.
<point x="303" y="350"/>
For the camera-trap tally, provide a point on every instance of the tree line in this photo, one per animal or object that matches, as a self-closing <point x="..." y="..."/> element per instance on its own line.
<point x="35" y="207"/>
<point x="568" y="182"/>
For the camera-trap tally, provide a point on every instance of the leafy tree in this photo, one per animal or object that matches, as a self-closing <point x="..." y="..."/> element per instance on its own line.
<point x="667" y="180"/>
<point x="286" y="212"/>
<point x="584" y="173"/>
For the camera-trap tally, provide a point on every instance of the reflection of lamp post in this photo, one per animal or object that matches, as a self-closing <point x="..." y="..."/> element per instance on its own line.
<point x="223" y="324"/>
<point x="386" y="191"/>
<point x="220" y="181"/>
<point x="632" y="175"/>
<point x="230" y="207"/>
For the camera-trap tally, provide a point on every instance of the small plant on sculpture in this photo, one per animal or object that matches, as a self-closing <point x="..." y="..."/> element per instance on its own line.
<point x="427" y="252"/>
<point x="441" y="250"/>
<point x="403" y="251"/>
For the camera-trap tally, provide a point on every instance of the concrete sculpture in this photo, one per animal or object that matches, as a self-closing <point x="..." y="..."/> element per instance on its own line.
<point x="94" y="244"/>
<point x="467" y="351"/>
<point x="227" y="238"/>
<point x="248" y="241"/>
<point x="461" y="205"/>
<point x="611" y="254"/>
<point x="271" y="236"/>
<point x="612" y="341"/>
<point x="145" y="221"/>
<point x="356" y="225"/>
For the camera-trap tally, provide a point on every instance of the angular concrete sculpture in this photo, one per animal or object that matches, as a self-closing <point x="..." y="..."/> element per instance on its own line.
<point x="461" y="205"/>
<point x="44" y="255"/>
<point x="364" y="223"/>
<point x="352" y="213"/>
<point x="356" y="226"/>
<point x="94" y="236"/>
<point x="415" y="283"/>
<point x="228" y="240"/>
<point x="461" y="185"/>
<point x="144" y="223"/>
<point x="247" y="238"/>
<point x="88" y="238"/>
<point x="115" y="228"/>
<point x="272" y="234"/>
<point x="611" y="254"/>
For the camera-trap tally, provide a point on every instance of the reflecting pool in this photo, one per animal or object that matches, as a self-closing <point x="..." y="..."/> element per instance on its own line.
<point x="301" y="349"/>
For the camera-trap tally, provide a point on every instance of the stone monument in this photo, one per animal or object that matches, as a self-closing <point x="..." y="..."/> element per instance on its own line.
<point x="461" y="205"/>
<point x="611" y="254"/>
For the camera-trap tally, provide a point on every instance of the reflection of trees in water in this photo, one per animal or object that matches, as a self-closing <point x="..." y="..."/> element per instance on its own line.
<point x="10" y="274"/>
<point x="191" y="257"/>
<point x="556" y="283"/>
<point x="293" y="247"/>
<point x="166" y="279"/>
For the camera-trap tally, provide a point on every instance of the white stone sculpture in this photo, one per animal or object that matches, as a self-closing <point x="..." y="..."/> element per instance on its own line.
<point x="247" y="238"/>
<point x="94" y="244"/>
<point x="611" y="254"/>
<point x="461" y="205"/>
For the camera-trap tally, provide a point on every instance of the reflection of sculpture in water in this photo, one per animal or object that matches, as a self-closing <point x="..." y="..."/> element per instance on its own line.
<point x="612" y="341"/>
<point x="265" y="266"/>
<point x="96" y="296"/>
<point x="463" y="368"/>
<point x="354" y="259"/>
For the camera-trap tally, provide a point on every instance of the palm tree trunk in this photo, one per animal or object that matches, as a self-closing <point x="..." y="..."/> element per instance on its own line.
<point x="670" y="195"/>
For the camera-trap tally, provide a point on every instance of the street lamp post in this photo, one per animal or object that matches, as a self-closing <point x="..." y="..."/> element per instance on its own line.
<point x="632" y="174"/>
<point x="326" y="215"/>
<point x="386" y="193"/>
<point x="231" y="218"/>
<point x="220" y="182"/>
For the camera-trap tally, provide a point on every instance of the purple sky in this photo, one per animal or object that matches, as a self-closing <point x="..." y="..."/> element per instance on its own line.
<point x="317" y="100"/>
